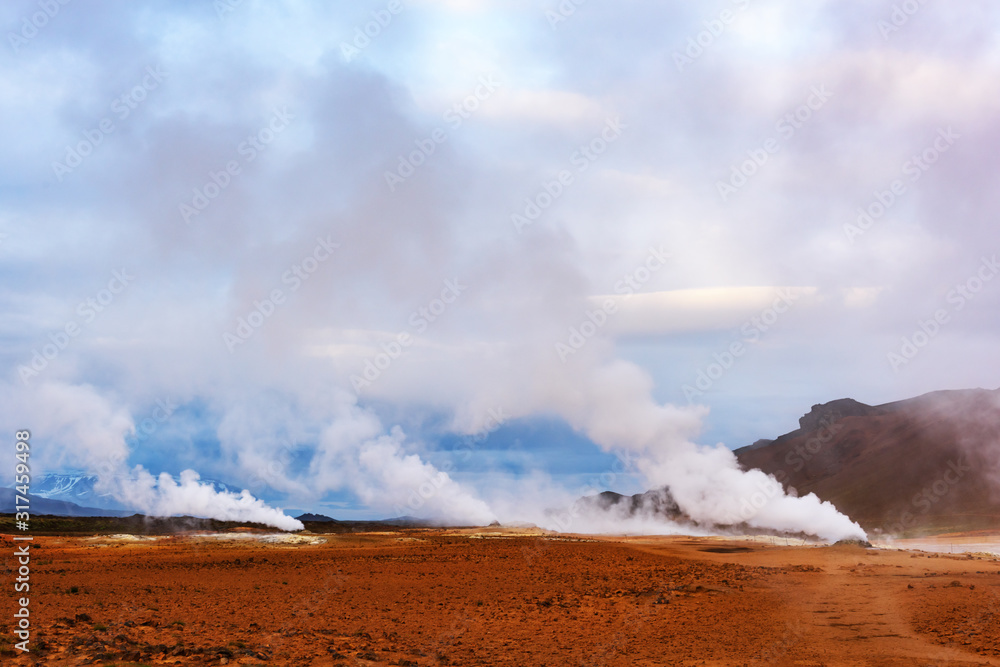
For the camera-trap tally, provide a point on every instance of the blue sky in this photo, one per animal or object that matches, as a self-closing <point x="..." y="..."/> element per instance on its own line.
<point x="630" y="227"/>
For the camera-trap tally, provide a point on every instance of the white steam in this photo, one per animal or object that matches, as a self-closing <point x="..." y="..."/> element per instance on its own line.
<point x="611" y="403"/>
<point x="162" y="496"/>
<point x="711" y="488"/>
<point x="74" y="426"/>
<point x="706" y="482"/>
<point x="353" y="452"/>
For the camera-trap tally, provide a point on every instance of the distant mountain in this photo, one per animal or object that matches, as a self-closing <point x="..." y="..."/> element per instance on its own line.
<point x="320" y="523"/>
<point x="80" y="488"/>
<point x="925" y="464"/>
<point x="654" y="505"/>
<point x="73" y="487"/>
<point x="413" y="522"/>
<point x="38" y="505"/>
<point x="133" y="524"/>
<point x="929" y="464"/>
<point x="308" y="516"/>
<point x="396" y="522"/>
<point x="658" y="502"/>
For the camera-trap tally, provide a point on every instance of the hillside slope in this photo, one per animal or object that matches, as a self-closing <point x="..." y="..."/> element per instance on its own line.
<point x="926" y="464"/>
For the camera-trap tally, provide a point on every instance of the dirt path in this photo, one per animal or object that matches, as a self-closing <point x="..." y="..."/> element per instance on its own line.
<point x="851" y="606"/>
<point x="855" y="617"/>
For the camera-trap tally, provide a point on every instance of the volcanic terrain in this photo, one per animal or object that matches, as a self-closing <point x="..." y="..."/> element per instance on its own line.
<point x="499" y="597"/>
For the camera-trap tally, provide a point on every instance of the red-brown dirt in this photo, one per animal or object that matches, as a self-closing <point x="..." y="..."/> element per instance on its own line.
<point x="496" y="598"/>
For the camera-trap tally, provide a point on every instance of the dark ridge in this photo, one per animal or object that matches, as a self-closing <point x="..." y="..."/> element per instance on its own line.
<point x="923" y="465"/>
<point x="42" y="505"/>
<point x="314" y="518"/>
<point x="137" y="524"/>
<point x="658" y="502"/>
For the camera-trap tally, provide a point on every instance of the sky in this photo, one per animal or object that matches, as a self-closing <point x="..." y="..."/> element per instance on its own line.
<point x="439" y="257"/>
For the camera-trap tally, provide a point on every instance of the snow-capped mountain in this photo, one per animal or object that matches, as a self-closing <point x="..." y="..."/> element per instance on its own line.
<point x="79" y="488"/>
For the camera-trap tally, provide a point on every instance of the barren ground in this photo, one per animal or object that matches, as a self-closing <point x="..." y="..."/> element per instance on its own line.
<point x="493" y="598"/>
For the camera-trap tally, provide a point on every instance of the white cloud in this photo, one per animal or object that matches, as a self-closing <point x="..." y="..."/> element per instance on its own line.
<point x="496" y="345"/>
<point x="702" y="309"/>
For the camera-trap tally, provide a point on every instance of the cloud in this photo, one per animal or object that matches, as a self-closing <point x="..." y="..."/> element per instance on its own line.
<point x="703" y="309"/>
<point x="279" y="412"/>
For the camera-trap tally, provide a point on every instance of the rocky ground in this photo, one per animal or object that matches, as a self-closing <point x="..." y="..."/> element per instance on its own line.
<point x="433" y="597"/>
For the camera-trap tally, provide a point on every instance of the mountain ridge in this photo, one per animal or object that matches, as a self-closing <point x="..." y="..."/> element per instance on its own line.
<point x="39" y="505"/>
<point x="80" y="488"/>
<point x="923" y="464"/>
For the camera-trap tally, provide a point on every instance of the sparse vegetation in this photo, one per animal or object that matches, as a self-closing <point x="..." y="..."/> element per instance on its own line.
<point x="137" y="524"/>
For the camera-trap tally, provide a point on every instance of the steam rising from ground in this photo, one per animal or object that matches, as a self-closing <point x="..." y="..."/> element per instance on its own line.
<point x="613" y="406"/>
<point x="162" y="496"/>
<point x="353" y="452"/>
<point x="79" y="415"/>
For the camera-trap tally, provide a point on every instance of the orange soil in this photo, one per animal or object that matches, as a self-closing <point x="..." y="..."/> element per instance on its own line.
<point x="490" y="598"/>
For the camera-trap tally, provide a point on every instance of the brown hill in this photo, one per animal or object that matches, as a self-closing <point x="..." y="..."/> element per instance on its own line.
<point x="926" y="464"/>
<point x="658" y="502"/>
